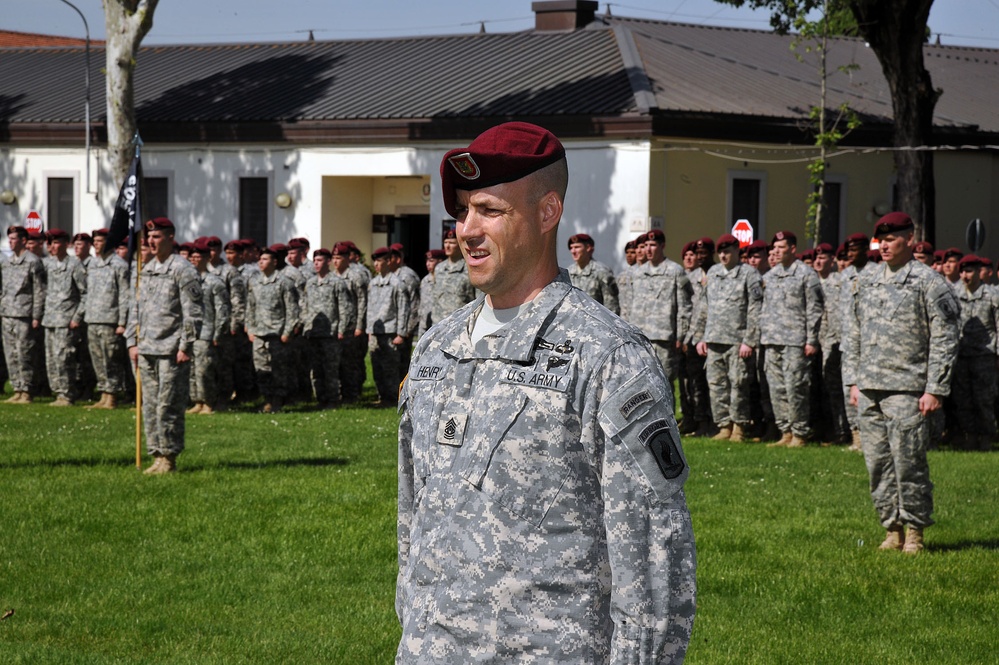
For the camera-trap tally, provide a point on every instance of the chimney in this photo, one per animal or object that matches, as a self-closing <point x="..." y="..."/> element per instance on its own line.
<point x="563" y="15"/>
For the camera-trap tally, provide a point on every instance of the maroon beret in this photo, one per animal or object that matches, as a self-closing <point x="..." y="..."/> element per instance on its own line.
<point x="201" y="245"/>
<point x="938" y="256"/>
<point x="841" y="251"/>
<point x="214" y="241"/>
<point x="581" y="238"/>
<point x="350" y="244"/>
<point x="629" y="245"/>
<point x="381" y="253"/>
<point x="986" y="261"/>
<point x="279" y="248"/>
<point x="341" y="249"/>
<point x="436" y="254"/>
<point x="185" y="247"/>
<point x="298" y="243"/>
<point x="56" y="234"/>
<point x="757" y="246"/>
<point x="807" y="255"/>
<point x="705" y="243"/>
<point x="100" y="232"/>
<point x="952" y="252"/>
<point x="322" y="252"/>
<point x="248" y="243"/>
<point x="893" y="222"/>
<point x="235" y="245"/>
<point x="824" y="248"/>
<point x="726" y="240"/>
<point x="655" y="235"/>
<point x="450" y="233"/>
<point x="83" y="236"/>
<point x="785" y="235"/>
<point x="159" y="224"/>
<point x="922" y="247"/>
<point x="874" y="255"/>
<point x="397" y="247"/>
<point x="19" y="230"/>
<point x="501" y="154"/>
<point x="37" y="234"/>
<point x="971" y="261"/>
<point x="858" y="239"/>
<point x="689" y="247"/>
<point x="267" y="251"/>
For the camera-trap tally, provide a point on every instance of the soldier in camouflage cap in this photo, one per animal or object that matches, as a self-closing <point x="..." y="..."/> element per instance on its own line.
<point x="538" y="449"/>
<point x="900" y="345"/>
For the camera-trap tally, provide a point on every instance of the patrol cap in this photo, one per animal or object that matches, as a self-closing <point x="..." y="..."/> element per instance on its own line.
<point x="757" y="246"/>
<point x="922" y="247"/>
<point x="787" y="236"/>
<point x="19" y="230"/>
<point x="501" y="154"/>
<point x="100" y="232"/>
<point x="298" y="243"/>
<point x="705" y="243"/>
<point x="380" y="253"/>
<point x="341" y="249"/>
<point x="214" y="241"/>
<point x="580" y="238"/>
<point x="56" y="234"/>
<point x="450" y="234"/>
<point x="824" y="248"/>
<point x="436" y="254"/>
<point x="858" y="239"/>
<point x="160" y="224"/>
<point x="952" y="252"/>
<point x="322" y="252"/>
<point x="726" y="240"/>
<point x="970" y="262"/>
<point x="893" y="222"/>
<point x="83" y="236"/>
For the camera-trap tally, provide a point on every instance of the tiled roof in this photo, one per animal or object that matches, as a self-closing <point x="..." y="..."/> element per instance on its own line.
<point x="720" y="73"/>
<point x="9" y="38"/>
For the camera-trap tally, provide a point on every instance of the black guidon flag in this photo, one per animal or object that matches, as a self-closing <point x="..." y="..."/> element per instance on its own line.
<point x="128" y="210"/>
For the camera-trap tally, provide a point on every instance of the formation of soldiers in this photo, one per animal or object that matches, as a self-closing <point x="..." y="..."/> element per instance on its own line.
<point x="274" y="324"/>
<point x="755" y="335"/>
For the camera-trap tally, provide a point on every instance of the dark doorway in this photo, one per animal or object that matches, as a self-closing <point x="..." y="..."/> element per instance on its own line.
<point x="413" y="231"/>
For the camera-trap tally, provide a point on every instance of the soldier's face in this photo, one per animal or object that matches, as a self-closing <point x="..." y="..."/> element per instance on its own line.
<point x="82" y="248"/>
<point x="451" y="249"/>
<point x="728" y="256"/>
<point x="160" y="243"/>
<point x="784" y="252"/>
<point x="950" y="266"/>
<point x="431" y="264"/>
<point x="58" y="247"/>
<point x="985" y="274"/>
<point x="233" y="257"/>
<point x="923" y="257"/>
<point x="703" y="255"/>
<point x="382" y="265"/>
<point x="33" y="246"/>
<point x="581" y="252"/>
<point x="122" y="251"/>
<point x="654" y="251"/>
<point x="970" y="277"/>
<point x="894" y="248"/>
<point x="266" y="263"/>
<point x="16" y="242"/>
<point x="198" y="259"/>
<point x="340" y="262"/>
<point x="641" y="255"/>
<point x="629" y="256"/>
<point x="294" y="257"/>
<point x="321" y="263"/>
<point x="689" y="260"/>
<point x="100" y="242"/>
<point x="822" y="263"/>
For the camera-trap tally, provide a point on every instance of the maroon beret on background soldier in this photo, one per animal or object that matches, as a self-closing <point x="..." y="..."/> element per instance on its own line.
<point x="824" y="248"/>
<point x="100" y="232"/>
<point x="56" y="234"/>
<point x="705" y="243"/>
<point x="952" y="252"/>
<point x="322" y="252"/>
<point x="922" y="247"/>
<point x="380" y="253"/>
<point x="758" y="246"/>
<point x="580" y="238"/>
<point x="436" y="254"/>
<point x="726" y="240"/>
<point x="893" y="222"/>
<point x="160" y="224"/>
<point x="970" y="261"/>
<point x="787" y="236"/>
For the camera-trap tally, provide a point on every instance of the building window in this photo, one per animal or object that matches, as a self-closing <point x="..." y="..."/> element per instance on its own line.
<point x="747" y="200"/>
<point x="155" y="197"/>
<point x="60" y="204"/>
<point x="253" y="209"/>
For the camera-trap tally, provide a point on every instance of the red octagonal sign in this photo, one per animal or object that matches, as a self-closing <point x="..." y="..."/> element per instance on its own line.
<point x="743" y="230"/>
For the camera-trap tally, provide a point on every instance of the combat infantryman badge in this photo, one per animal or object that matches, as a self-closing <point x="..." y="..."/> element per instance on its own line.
<point x="465" y="166"/>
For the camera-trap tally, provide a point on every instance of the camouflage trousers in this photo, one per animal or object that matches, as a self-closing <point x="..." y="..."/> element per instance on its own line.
<point x="19" y="351"/>
<point x="60" y="361"/>
<point x="789" y="374"/>
<point x="165" y="391"/>
<point x="204" y="384"/>
<point x="270" y="360"/>
<point x="669" y="358"/>
<point x="324" y="355"/>
<point x="694" y="391"/>
<point x="386" y="366"/>
<point x="352" y="369"/>
<point x="895" y="437"/>
<point x="3" y="365"/>
<point x="974" y="393"/>
<point x="729" y="383"/>
<point x="107" y="354"/>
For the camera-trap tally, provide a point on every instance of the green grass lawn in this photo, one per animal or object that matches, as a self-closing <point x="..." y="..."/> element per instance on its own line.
<point x="276" y="543"/>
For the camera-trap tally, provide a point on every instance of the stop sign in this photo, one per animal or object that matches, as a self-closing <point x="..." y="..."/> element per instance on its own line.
<point x="33" y="222"/>
<point x="743" y="230"/>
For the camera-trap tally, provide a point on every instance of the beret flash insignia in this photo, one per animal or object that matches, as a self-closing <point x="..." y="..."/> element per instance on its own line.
<point x="465" y="166"/>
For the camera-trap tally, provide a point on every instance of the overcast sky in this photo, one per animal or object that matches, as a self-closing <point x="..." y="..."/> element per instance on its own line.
<point x="966" y="22"/>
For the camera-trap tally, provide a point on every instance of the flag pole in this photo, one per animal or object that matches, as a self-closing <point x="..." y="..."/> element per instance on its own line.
<point x="138" y="278"/>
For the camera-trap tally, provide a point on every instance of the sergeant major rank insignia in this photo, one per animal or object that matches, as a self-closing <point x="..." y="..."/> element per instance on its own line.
<point x="451" y="429"/>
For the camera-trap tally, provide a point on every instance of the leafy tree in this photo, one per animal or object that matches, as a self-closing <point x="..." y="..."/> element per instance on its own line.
<point x="126" y="23"/>
<point x="896" y="31"/>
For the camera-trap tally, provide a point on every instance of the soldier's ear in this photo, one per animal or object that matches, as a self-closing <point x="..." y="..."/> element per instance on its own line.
<point x="550" y="208"/>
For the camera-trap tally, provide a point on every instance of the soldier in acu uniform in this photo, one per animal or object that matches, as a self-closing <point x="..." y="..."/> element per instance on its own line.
<point x="590" y="276"/>
<point x="352" y="369"/>
<point x="235" y="287"/>
<point x="108" y="299"/>
<point x="542" y="516"/>
<point x="388" y="315"/>
<point x="271" y="316"/>
<point x="452" y="290"/>
<point x="214" y="329"/>
<point x="65" y="305"/>
<point x="329" y="319"/>
<point x="900" y="344"/>
<point x="22" y="306"/>
<point x="427" y="284"/>
<point x="164" y="323"/>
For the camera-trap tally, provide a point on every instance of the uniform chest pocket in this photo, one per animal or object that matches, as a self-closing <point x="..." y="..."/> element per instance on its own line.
<point x="516" y="456"/>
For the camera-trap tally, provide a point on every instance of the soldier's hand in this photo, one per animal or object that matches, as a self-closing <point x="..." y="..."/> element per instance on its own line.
<point x="811" y="350"/>
<point x="928" y="404"/>
<point x="133" y="354"/>
<point x="120" y="330"/>
<point x="35" y="323"/>
<point x="358" y="332"/>
<point x="745" y="351"/>
<point x="182" y="357"/>
<point x="249" y="336"/>
<point x="854" y="395"/>
<point x="397" y="340"/>
<point x="702" y="348"/>
<point x="284" y="339"/>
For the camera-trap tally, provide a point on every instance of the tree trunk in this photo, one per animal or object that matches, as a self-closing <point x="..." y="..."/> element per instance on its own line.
<point x="126" y="23"/>
<point x="896" y="31"/>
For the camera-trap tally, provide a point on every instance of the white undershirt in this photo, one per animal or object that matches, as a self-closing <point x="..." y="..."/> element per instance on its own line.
<point x="490" y="320"/>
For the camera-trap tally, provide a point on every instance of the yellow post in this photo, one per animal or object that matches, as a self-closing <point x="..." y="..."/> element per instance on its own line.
<point x="138" y="378"/>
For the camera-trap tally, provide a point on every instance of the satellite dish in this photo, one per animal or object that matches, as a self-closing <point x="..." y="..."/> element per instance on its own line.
<point x="976" y="235"/>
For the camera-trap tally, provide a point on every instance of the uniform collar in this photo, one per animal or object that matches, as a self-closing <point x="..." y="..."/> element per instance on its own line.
<point x="514" y="341"/>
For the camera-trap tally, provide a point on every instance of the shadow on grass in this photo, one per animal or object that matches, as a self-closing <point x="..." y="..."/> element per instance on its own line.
<point x="962" y="545"/>
<point x="130" y="461"/>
